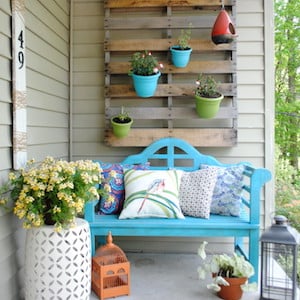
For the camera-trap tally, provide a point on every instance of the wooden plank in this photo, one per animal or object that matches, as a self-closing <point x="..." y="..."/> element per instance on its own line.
<point x="163" y="45"/>
<point x="208" y="67"/>
<point x="205" y="137"/>
<point x="186" y="89"/>
<point x="162" y="3"/>
<point x="152" y="22"/>
<point x="171" y="113"/>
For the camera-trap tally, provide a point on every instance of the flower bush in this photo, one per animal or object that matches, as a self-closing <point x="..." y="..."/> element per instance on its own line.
<point x="222" y="266"/>
<point x="144" y="63"/>
<point x="207" y="87"/>
<point x="52" y="192"/>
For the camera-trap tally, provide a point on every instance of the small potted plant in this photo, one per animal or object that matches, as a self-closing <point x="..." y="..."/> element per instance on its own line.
<point x="181" y="52"/>
<point x="145" y="71"/>
<point x="207" y="97"/>
<point x="230" y="274"/>
<point x="121" y="123"/>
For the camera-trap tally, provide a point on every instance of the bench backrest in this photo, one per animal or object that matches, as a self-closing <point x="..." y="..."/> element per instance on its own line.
<point x="170" y="153"/>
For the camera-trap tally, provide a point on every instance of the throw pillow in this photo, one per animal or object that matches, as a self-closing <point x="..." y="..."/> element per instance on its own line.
<point x="228" y="190"/>
<point x="152" y="194"/>
<point x="113" y="202"/>
<point x="196" y="192"/>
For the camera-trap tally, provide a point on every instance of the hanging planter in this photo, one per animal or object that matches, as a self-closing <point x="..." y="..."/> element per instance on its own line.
<point x="121" y="124"/>
<point x="180" y="57"/>
<point x="145" y="73"/>
<point x="207" y="108"/>
<point x="181" y="53"/>
<point x="223" y="31"/>
<point x="207" y="97"/>
<point x="145" y="86"/>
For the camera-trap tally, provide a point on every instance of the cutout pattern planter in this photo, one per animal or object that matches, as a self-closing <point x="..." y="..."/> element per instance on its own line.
<point x="58" y="264"/>
<point x="180" y="58"/>
<point x="145" y="86"/>
<point x="207" y="107"/>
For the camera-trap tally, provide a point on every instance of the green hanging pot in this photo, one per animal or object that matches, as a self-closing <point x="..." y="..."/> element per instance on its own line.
<point x="120" y="129"/>
<point x="207" y="108"/>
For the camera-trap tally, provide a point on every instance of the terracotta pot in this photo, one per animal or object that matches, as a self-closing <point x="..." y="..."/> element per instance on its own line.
<point x="223" y="30"/>
<point x="233" y="291"/>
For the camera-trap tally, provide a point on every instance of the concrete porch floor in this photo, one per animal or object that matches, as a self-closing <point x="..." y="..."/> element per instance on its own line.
<point x="168" y="277"/>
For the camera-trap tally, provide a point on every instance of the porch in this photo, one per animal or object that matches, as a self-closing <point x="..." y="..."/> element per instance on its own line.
<point x="168" y="276"/>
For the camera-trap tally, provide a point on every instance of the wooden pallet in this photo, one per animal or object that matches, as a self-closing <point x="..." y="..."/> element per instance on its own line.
<point x="137" y="25"/>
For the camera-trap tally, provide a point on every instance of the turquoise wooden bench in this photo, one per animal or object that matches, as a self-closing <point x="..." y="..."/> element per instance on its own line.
<point x="168" y="153"/>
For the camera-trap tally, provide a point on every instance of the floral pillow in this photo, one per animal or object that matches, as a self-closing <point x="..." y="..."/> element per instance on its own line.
<point x="196" y="192"/>
<point x="152" y="194"/>
<point x="228" y="190"/>
<point x="113" y="202"/>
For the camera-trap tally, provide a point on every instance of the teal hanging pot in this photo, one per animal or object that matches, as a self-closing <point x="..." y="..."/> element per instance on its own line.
<point x="207" y="108"/>
<point x="180" y="57"/>
<point x="145" y="86"/>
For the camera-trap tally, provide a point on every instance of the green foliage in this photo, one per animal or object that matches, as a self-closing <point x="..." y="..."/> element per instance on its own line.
<point x="207" y="87"/>
<point x="287" y="78"/>
<point x="144" y="63"/>
<point x="287" y="190"/>
<point x="122" y="117"/>
<point x="184" y="38"/>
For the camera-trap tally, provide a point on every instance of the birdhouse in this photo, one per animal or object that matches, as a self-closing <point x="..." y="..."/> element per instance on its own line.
<point x="110" y="271"/>
<point x="279" y="253"/>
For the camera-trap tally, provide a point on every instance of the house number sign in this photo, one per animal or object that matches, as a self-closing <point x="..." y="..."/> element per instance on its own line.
<point x="19" y="84"/>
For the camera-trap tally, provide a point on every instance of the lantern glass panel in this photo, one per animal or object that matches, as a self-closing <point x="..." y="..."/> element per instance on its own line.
<point x="279" y="277"/>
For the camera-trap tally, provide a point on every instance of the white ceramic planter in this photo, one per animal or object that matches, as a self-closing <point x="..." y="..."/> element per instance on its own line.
<point x="58" y="265"/>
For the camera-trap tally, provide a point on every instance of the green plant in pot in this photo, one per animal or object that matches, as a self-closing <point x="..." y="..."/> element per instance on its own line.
<point x="182" y="51"/>
<point x="145" y="72"/>
<point x="230" y="274"/>
<point x="207" y="97"/>
<point x="121" y="123"/>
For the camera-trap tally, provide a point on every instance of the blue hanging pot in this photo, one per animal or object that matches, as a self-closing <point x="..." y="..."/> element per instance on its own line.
<point x="145" y="86"/>
<point x="180" y="57"/>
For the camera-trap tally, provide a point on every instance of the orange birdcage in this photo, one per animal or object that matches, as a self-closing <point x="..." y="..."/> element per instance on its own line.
<point x="110" y="271"/>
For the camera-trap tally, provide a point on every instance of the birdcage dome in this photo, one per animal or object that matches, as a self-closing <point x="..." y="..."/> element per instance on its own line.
<point x="110" y="253"/>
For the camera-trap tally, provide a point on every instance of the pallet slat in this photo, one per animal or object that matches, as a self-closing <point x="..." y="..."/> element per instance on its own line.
<point x="205" y="137"/>
<point x="162" y="3"/>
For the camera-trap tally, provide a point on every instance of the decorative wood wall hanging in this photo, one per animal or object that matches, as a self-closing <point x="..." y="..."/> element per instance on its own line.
<point x="19" y="84"/>
<point x="154" y="25"/>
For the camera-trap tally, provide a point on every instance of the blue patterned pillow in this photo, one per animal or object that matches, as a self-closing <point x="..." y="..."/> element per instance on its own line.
<point x="113" y="202"/>
<point x="226" y="199"/>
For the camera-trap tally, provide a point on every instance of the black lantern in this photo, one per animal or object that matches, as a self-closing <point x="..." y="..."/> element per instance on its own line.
<point x="279" y="252"/>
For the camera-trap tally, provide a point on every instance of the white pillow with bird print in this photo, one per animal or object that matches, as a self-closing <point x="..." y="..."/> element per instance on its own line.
<point x="152" y="194"/>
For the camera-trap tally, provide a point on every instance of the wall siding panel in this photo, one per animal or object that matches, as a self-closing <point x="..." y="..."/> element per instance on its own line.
<point x="10" y="283"/>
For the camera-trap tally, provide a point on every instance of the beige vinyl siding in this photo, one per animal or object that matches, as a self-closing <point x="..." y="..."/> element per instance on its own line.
<point x="88" y="94"/>
<point x="88" y="85"/>
<point x="47" y="52"/>
<point x="8" y="251"/>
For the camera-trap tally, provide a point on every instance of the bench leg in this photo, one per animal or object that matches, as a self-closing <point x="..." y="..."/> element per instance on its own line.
<point x="254" y="253"/>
